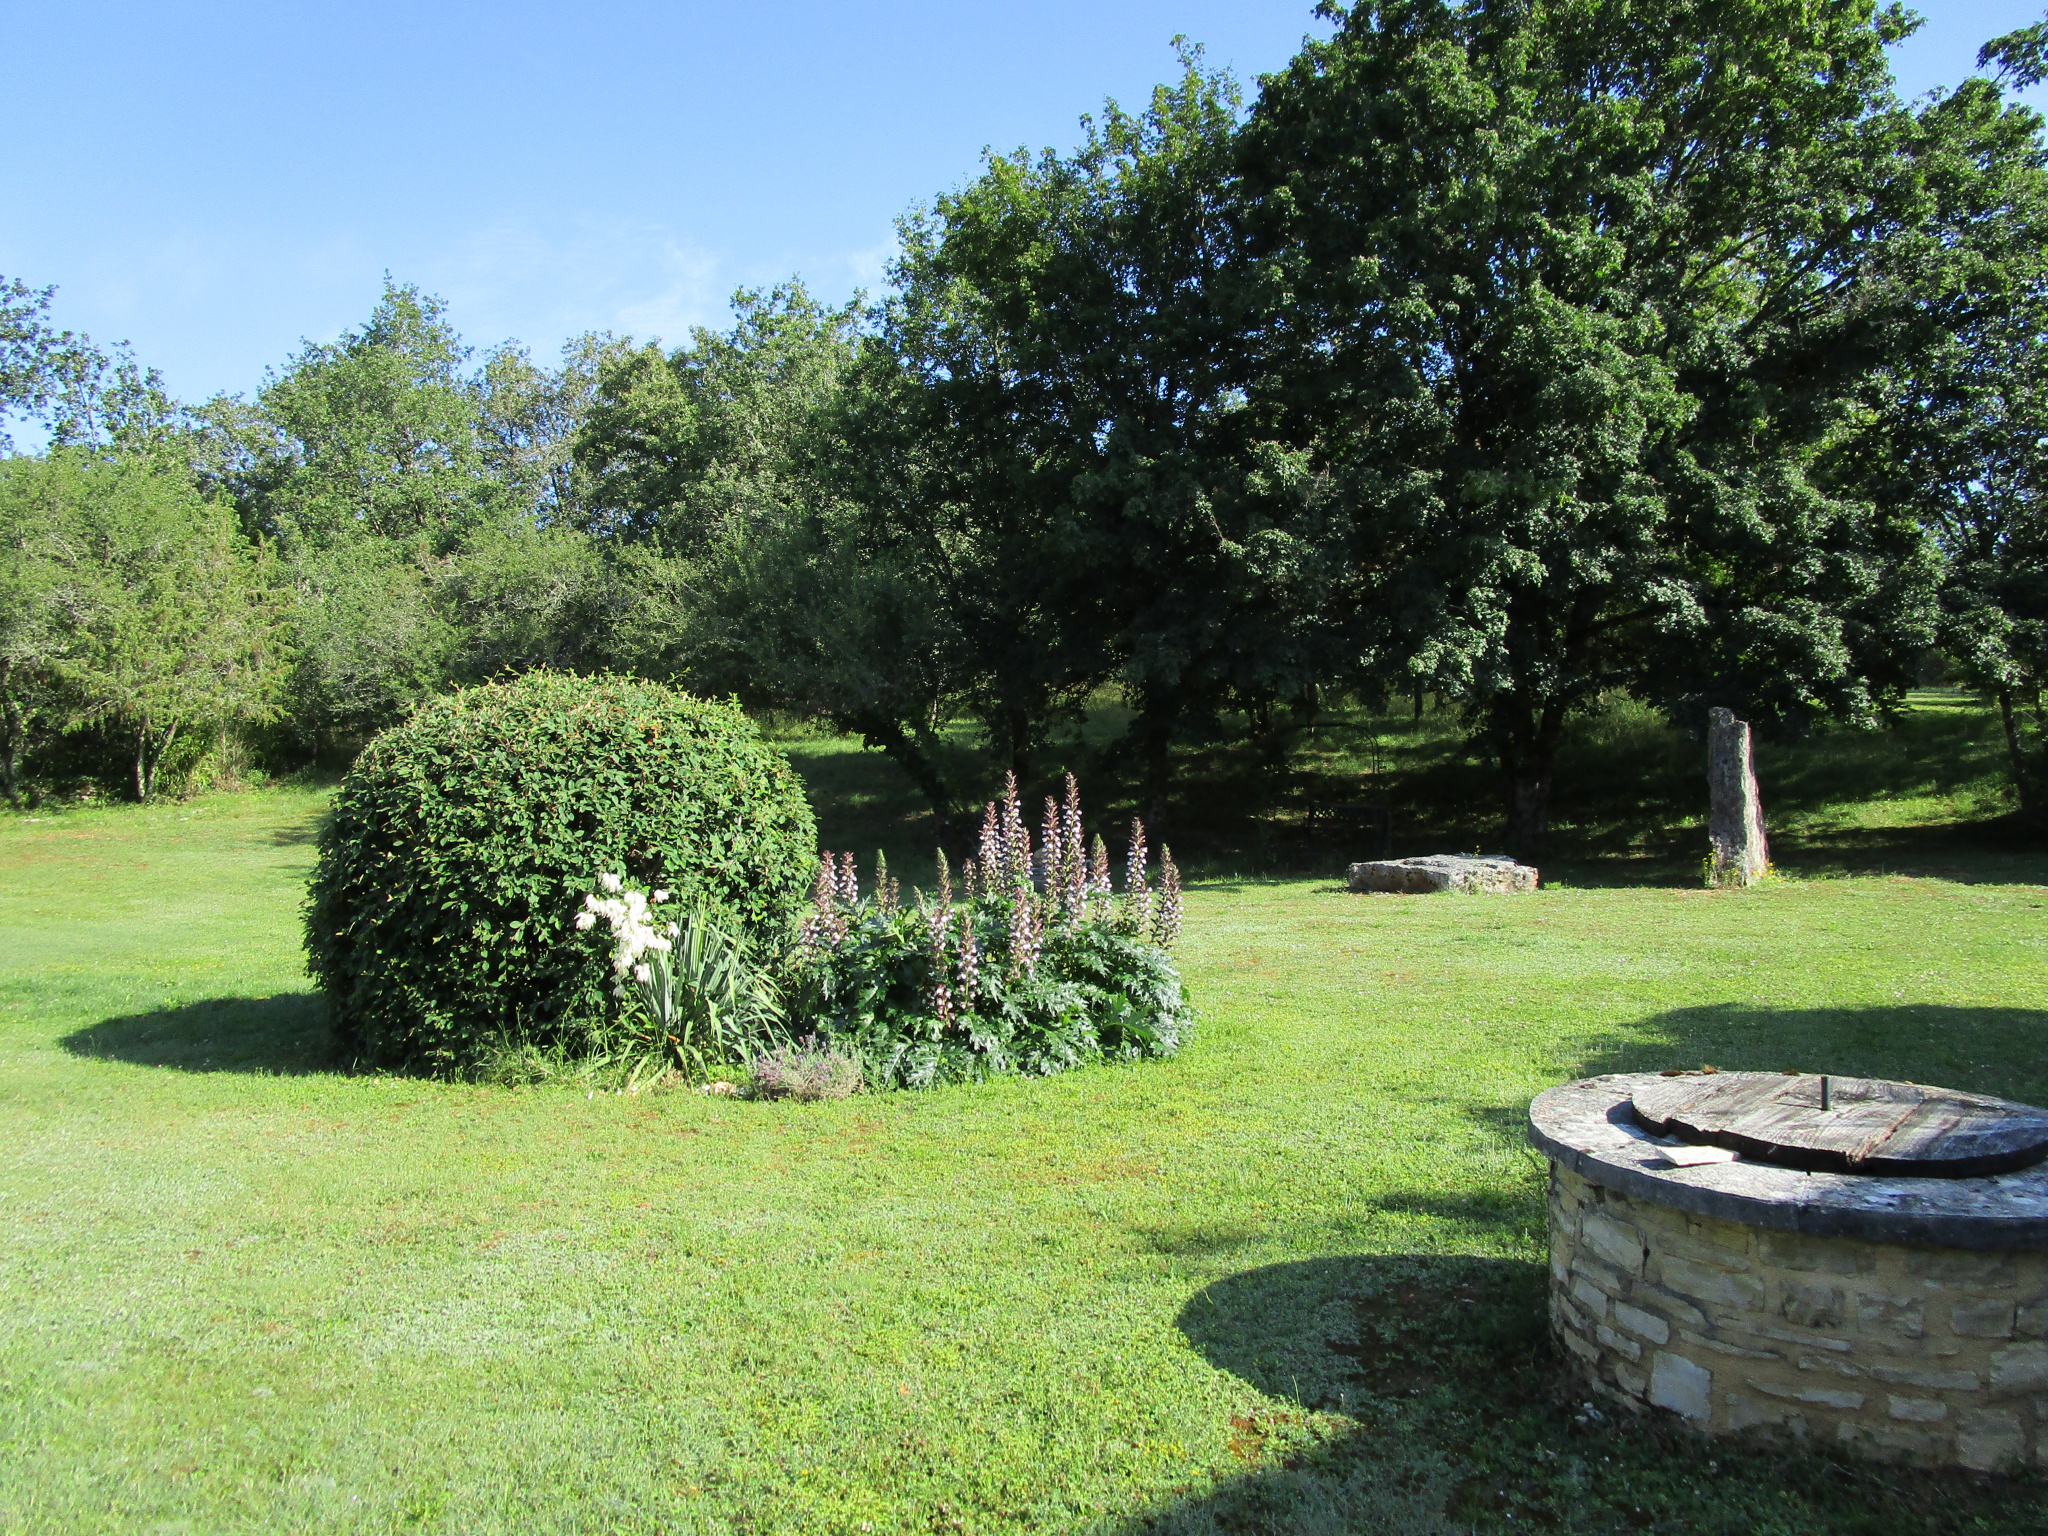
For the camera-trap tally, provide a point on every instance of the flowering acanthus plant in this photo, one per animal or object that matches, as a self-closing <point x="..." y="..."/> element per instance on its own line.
<point x="1032" y="963"/>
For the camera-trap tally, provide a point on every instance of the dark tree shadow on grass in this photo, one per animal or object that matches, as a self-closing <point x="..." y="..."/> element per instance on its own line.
<point x="283" y="1035"/>
<point x="2002" y="1051"/>
<point x="300" y="834"/>
<point x="1420" y="1393"/>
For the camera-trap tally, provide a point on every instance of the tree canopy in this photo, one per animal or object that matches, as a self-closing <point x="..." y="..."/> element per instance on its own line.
<point x="1521" y="353"/>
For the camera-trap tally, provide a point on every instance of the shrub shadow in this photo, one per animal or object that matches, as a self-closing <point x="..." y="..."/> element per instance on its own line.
<point x="285" y="1035"/>
<point x="2002" y="1051"/>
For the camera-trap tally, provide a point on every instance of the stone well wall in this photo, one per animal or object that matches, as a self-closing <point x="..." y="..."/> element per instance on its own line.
<point x="1929" y="1355"/>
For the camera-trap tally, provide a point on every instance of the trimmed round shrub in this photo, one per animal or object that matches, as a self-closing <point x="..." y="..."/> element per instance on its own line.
<point x="441" y="917"/>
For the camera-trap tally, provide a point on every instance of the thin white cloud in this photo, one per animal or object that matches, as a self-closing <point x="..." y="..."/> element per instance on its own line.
<point x="542" y="286"/>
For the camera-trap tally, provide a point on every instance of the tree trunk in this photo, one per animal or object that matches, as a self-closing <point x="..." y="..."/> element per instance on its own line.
<point x="1528" y="761"/>
<point x="898" y="745"/>
<point x="1019" y="725"/>
<point x="2022" y="780"/>
<point x="11" y="732"/>
<point x="1157" y="749"/>
<point x="149" y="757"/>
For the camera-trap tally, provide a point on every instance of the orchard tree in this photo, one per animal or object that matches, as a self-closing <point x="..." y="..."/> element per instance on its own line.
<point x="1081" y="472"/>
<point x="168" y="620"/>
<point x="1960" y="434"/>
<point x="374" y="435"/>
<point x="1568" y="298"/>
<point x="690" y="449"/>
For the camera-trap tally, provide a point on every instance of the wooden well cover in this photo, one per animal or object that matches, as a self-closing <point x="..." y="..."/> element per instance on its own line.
<point x="1870" y="1126"/>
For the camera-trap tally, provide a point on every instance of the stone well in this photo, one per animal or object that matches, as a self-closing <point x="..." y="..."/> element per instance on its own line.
<point x="1904" y="1316"/>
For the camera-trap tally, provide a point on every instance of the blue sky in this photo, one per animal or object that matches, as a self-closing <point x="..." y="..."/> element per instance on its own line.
<point x="216" y="181"/>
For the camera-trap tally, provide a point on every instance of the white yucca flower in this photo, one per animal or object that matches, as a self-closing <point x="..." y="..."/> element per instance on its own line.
<point x="585" y="921"/>
<point x="610" y="883"/>
<point x="660" y="897"/>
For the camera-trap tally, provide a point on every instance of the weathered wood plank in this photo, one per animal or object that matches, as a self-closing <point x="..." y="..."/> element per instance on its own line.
<point x="1870" y="1125"/>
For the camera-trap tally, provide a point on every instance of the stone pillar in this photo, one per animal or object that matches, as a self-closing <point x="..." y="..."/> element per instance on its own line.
<point x="1735" y="822"/>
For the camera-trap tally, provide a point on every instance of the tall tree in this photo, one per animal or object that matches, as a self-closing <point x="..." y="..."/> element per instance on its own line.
<point x="530" y="417"/>
<point x="1569" y="297"/>
<point x="1087" y="475"/>
<point x="1958" y="432"/>
<point x="374" y="435"/>
<point x="170" y="621"/>
<point x="33" y="643"/>
<point x="688" y="449"/>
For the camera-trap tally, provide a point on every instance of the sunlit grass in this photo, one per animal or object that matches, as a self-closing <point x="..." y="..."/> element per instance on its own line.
<point x="242" y="1291"/>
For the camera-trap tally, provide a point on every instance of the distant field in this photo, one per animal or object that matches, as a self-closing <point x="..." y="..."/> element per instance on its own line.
<point x="1287" y="1282"/>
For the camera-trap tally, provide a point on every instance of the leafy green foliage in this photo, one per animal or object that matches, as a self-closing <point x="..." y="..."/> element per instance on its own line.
<point x="131" y="601"/>
<point x="1040" y="969"/>
<point x="1958" y="431"/>
<point x="1558" y="296"/>
<point x="695" y="997"/>
<point x="442" y="912"/>
<point x="1095" y="995"/>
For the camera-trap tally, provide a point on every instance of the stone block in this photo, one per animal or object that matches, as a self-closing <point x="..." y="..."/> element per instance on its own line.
<point x="1682" y="1386"/>
<point x="1617" y="1343"/>
<point x="1901" y="1315"/>
<point x="1820" y="1397"/>
<point x="2022" y="1368"/>
<point x="1828" y="1365"/>
<point x="1919" y="1410"/>
<point x="1735" y="816"/>
<point x="1743" y="1293"/>
<point x="1746" y="1412"/>
<point x="2031" y="1321"/>
<point x="1832" y="1397"/>
<point x="1619" y="1245"/>
<point x="1958" y="1266"/>
<point x="1676" y="1308"/>
<point x="1981" y="1319"/>
<point x="1589" y="1296"/>
<point x="1633" y="1382"/>
<point x="1810" y="1306"/>
<point x="1988" y="1438"/>
<point x="1584" y="1348"/>
<point x="1646" y="1324"/>
<point x="1898" y="1441"/>
<point x="1933" y="1380"/>
<point x="1490" y="874"/>
<point x="1704" y="1243"/>
<point x="1724" y="1344"/>
<point x="1834" y="1256"/>
<point x="1794" y="1336"/>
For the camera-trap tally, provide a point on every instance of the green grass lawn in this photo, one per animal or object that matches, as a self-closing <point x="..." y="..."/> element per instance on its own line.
<point x="1287" y="1282"/>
